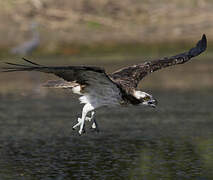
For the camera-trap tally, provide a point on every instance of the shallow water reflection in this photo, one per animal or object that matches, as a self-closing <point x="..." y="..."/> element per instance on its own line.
<point x="173" y="141"/>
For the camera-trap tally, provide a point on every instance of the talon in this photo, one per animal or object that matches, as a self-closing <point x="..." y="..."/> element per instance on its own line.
<point x="81" y="132"/>
<point x="81" y="121"/>
<point x="93" y="126"/>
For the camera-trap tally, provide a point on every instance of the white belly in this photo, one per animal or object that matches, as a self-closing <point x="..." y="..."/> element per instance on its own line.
<point x="102" y="96"/>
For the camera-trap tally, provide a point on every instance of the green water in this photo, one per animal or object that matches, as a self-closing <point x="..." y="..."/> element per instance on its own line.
<point x="173" y="141"/>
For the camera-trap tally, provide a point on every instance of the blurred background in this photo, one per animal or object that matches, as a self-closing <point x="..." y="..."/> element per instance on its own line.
<point x="174" y="141"/>
<point x="107" y="33"/>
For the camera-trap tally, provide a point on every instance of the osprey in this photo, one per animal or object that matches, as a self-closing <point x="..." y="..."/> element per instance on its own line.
<point x="97" y="88"/>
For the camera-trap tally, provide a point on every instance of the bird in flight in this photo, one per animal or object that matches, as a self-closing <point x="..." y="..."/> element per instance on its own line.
<point x="97" y="88"/>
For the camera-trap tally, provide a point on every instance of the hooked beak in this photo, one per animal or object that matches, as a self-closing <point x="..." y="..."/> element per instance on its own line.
<point x="152" y="103"/>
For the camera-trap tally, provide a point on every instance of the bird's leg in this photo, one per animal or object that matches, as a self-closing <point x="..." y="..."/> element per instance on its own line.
<point x="79" y="123"/>
<point x="87" y="108"/>
<point x="91" y="117"/>
<point x="94" y="123"/>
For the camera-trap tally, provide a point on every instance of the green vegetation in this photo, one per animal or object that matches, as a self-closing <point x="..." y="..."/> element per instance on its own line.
<point x="104" y="22"/>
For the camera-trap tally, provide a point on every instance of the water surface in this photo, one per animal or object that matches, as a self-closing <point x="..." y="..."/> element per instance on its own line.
<point x="173" y="141"/>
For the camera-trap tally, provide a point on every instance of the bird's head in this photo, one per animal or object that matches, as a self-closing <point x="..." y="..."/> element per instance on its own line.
<point x="145" y="98"/>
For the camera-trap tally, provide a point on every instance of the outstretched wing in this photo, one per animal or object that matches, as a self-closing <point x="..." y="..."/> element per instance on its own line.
<point x="131" y="76"/>
<point x="83" y="75"/>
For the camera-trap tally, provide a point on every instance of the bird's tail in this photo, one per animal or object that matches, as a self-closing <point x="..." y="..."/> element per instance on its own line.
<point x="21" y="67"/>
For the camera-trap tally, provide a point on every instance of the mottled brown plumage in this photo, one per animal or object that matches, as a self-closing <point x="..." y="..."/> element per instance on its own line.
<point x="129" y="77"/>
<point x="98" y="89"/>
<point x="126" y="79"/>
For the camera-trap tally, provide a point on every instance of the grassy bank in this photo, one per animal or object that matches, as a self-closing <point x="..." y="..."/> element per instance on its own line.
<point x="104" y="22"/>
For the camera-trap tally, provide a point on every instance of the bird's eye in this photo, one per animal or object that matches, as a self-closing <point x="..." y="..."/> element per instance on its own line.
<point x="147" y="98"/>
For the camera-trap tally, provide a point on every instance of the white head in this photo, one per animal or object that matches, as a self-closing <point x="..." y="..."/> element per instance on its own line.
<point x="145" y="98"/>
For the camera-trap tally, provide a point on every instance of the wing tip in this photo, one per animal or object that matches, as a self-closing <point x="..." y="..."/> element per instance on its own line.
<point x="200" y="47"/>
<point x="202" y="44"/>
<point x="204" y="41"/>
<point x="27" y="60"/>
<point x="19" y="67"/>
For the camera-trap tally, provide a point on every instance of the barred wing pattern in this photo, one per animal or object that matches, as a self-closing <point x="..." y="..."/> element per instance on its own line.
<point x="83" y="75"/>
<point x="131" y="76"/>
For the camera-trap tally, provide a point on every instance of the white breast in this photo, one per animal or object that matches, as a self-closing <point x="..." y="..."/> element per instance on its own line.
<point x="104" y="94"/>
<point x="77" y="90"/>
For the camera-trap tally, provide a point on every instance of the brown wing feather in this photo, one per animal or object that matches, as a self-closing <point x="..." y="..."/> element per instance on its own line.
<point x="77" y="74"/>
<point x="129" y="77"/>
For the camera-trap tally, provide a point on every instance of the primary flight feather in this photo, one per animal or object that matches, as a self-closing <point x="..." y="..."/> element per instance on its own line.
<point x="97" y="88"/>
